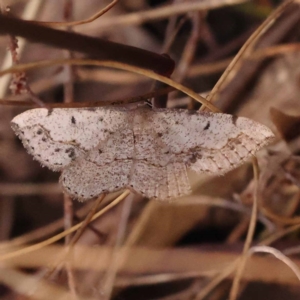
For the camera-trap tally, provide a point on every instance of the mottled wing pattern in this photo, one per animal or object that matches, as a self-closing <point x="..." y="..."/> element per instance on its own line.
<point x="207" y="142"/>
<point x="155" y="174"/>
<point x="105" y="149"/>
<point x="84" y="180"/>
<point x="160" y="182"/>
<point x="57" y="137"/>
<point x="105" y="168"/>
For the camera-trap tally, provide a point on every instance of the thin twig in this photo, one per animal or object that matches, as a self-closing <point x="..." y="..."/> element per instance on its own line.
<point x="81" y="22"/>
<point x="42" y="232"/>
<point x="116" y="257"/>
<point x="94" y="47"/>
<point x="87" y="220"/>
<point x="64" y="233"/>
<point x="165" y="12"/>
<point x="67" y="256"/>
<point x="189" y="49"/>
<point x="217" y="280"/>
<point x="279" y="255"/>
<point x="279" y="234"/>
<point x="69" y="98"/>
<point x="246" y="50"/>
<point x="117" y="65"/>
<point x="30" y="11"/>
<point x="115" y="102"/>
<point x="241" y="266"/>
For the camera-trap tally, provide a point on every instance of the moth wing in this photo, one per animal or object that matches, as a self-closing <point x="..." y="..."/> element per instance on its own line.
<point x="209" y="142"/>
<point x="163" y="183"/>
<point x="84" y="179"/>
<point x="57" y="137"/>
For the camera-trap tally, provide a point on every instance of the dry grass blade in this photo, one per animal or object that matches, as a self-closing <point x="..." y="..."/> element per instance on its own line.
<point x="81" y="22"/>
<point x="116" y="258"/>
<point x="112" y="64"/>
<point x="86" y="221"/>
<point x="143" y="261"/>
<point x="217" y="280"/>
<point x="224" y="203"/>
<point x="123" y="101"/>
<point x="30" y="12"/>
<point x="166" y="11"/>
<point x="57" y="237"/>
<point x="279" y="255"/>
<point x="40" y="233"/>
<point x="246" y="49"/>
<point x="33" y="287"/>
<point x="241" y="264"/>
<point x="274" y="51"/>
<point x="279" y="234"/>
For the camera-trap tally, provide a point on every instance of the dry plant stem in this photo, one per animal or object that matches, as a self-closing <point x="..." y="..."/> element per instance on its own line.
<point x="39" y="233"/>
<point x="279" y="255"/>
<point x="19" y="84"/>
<point x="21" y="79"/>
<point x="217" y="280"/>
<point x="278" y="235"/>
<point x="160" y="261"/>
<point x="189" y="49"/>
<point x="114" y="77"/>
<point x="123" y="101"/>
<point x="116" y="65"/>
<point x="291" y="250"/>
<point x="124" y="78"/>
<point x="95" y="47"/>
<point x="71" y="281"/>
<point x="87" y="220"/>
<point x="101" y="235"/>
<point x="17" y="189"/>
<point x="278" y="219"/>
<point x="136" y="232"/>
<point x="35" y="99"/>
<point x="68" y="216"/>
<point x="238" y="231"/>
<point x="159" y="101"/>
<point x="68" y="98"/>
<point x="227" y="204"/>
<point x="64" y="233"/>
<point x="165" y="12"/>
<point x="140" y="224"/>
<point x="33" y="288"/>
<point x="170" y="31"/>
<point x="70" y="243"/>
<point x="30" y="11"/>
<point x="239" y="262"/>
<point x="170" y="37"/>
<point x="274" y="51"/>
<point x="68" y="204"/>
<point x="236" y="281"/>
<point x="218" y="202"/>
<point x="246" y="49"/>
<point x="88" y="20"/>
<point x="69" y="86"/>
<point x="154" y="279"/>
<point x="116" y="257"/>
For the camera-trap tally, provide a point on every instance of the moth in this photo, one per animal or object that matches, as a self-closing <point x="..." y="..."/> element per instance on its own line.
<point x="100" y="150"/>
